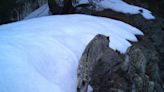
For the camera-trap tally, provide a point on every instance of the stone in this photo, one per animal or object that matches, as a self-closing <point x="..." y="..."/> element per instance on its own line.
<point x="61" y="6"/>
<point x="16" y="10"/>
<point x="91" y="54"/>
<point x="109" y="71"/>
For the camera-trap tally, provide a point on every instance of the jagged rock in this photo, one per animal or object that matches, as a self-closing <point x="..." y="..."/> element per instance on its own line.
<point x="156" y="6"/>
<point x="61" y="6"/>
<point x="92" y="53"/>
<point x="143" y="60"/>
<point x="84" y="9"/>
<point x="142" y="69"/>
<point x="108" y="71"/>
<point x="54" y="7"/>
<point x="15" y="10"/>
<point x="71" y="6"/>
<point x="100" y="66"/>
<point x="137" y="70"/>
<point x="153" y="31"/>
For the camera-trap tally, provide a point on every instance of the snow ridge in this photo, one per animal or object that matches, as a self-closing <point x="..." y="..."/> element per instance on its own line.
<point x="120" y="6"/>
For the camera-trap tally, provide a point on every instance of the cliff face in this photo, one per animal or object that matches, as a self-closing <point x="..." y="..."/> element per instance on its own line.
<point x="14" y="10"/>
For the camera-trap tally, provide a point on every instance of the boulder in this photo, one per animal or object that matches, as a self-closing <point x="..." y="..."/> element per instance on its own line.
<point x="109" y="71"/>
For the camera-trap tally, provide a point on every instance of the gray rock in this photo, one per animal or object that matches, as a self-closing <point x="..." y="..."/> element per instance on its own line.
<point x="108" y="71"/>
<point x="61" y="6"/>
<point x="92" y="53"/>
<point x="16" y="10"/>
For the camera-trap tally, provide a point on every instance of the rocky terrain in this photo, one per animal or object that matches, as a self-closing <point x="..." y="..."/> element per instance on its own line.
<point x="140" y="69"/>
<point x="108" y="71"/>
<point x="144" y="59"/>
<point x="16" y="10"/>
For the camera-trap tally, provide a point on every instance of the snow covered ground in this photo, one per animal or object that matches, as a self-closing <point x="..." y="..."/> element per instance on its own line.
<point x="120" y="6"/>
<point x="42" y="54"/>
<point x="116" y="5"/>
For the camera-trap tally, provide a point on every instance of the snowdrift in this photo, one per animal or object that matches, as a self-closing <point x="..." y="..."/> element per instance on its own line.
<point x="42" y="54"/>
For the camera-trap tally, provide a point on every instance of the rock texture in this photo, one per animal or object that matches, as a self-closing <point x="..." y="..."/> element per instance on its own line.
<point x="61" y="6"/>
<point x="15" y="10"/>
<point x="141" y="68"/>
<point x="152" y="42"/>
<point x="93" y="52"/>
<point x="156" y="6"/>
<point x="108" y="71"/>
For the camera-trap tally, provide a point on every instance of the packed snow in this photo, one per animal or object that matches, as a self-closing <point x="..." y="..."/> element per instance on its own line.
<point x="42" y="54"/>
<point x="42" y="11"/>
<point x="120" y="6"/>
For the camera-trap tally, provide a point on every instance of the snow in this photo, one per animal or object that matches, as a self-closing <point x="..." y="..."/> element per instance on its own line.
<point x="116" y="5"/>
<point x="42" y="54"/>
<point x="121" y="6"/>
<point x="90" y="89"/>
<point x="83" y="1"/>
<point x="42" y="11"/>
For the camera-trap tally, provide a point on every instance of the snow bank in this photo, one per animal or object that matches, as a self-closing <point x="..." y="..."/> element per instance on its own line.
<point x="42" y="11"/>
<point x="41" y="54"/>
<point x="121" y="6"/>
<point x="116" y="5"/>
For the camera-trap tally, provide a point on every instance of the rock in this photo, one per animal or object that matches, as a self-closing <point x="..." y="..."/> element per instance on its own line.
<point x="108" y="71"/>
<point x="146" y="56"/>
<point x="54" y="7"/>
<point x="16" y="10"/>
<point x="153" y="32"/>
<point x="92" y="53"/>
<point x="137" y="70"/>
<point x="61" y="6"/>
<point x="84" y="9"/>
<point x="5" y="10"/>
<point x="156" y="6"/>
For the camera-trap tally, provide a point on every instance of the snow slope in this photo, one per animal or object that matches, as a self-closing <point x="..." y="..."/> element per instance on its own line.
<point x="41" y="54"/>
<point x="42" y="11"/>
<point x="120" y="6"/>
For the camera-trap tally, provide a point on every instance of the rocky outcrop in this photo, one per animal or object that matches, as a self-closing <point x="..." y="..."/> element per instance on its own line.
<point x="156" y="6"/>
<point x="15" y="10"/>
<point x="61" y="6"/>
<point x="150" y="46"/>
<point x="70" y="7"/>
<point x="143" y="68"/>
<point x="139" y="70"/>
<point x="92" y="53"/>
<point x="108" y="71"/>
<point x="96" y="61"/>
<point x="153" y="33"/>
<point x="153" y="30"/>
